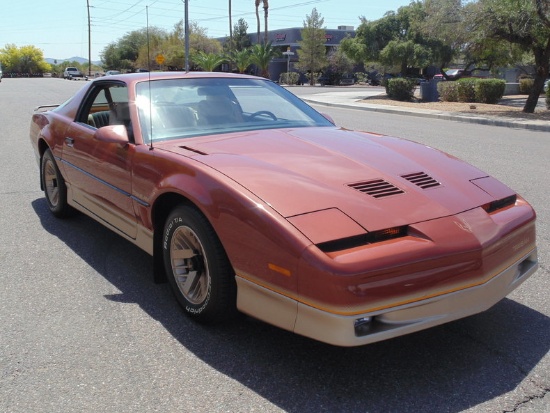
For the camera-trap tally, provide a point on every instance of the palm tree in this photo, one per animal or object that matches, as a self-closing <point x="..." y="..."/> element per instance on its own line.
<point x="261" y="57"/>
<point x="258" y="19"/>
<point x="241" y="59"/>
<point x="266" y="7"/>
<point x="208" y="61"/>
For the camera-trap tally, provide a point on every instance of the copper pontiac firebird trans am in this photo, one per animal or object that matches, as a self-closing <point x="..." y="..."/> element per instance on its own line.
<point x="249" y="200"/>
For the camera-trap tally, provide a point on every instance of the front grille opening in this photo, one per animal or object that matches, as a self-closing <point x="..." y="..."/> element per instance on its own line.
<point x="500" y="204"/>
<point x="363" y="239"/>
<point x="377" y="188"/>
<point x="422" y="180"/>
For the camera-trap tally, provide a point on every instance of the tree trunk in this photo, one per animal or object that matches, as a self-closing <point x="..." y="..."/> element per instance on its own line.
<point x="258" y="20"/>
<point x="542" y="62"/>
<point x="532" y="100"/>
<point x="266" y="8"/>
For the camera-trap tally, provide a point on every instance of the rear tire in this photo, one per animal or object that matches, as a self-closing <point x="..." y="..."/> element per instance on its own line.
<point x="197" y="267"/>
<point x="54" y="186"/>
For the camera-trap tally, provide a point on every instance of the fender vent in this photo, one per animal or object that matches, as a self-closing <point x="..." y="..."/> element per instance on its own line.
<point x="377" y="188"/>
<point x="421" y="179"/>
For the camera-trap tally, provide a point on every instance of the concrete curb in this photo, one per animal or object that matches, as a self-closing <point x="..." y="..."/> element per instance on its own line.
<point x="541" y="126"/>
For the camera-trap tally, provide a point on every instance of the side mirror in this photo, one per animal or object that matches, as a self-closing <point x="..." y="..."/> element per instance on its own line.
<point x="113" y="134"/>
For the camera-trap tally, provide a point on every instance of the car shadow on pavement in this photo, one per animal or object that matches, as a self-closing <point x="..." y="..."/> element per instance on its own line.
<point x="448" y="368"/>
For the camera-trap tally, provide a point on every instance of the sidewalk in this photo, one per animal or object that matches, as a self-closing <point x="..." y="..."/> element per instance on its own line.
<point x="355" y="99"/>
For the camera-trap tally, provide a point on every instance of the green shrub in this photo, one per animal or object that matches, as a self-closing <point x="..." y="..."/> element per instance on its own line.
<point x="548" y="98"/>
<point x="314" y="75"/>
<point x="466" y="90"/>
<point x="289" y="78"/>
<point x="448" y="91"/>
<point x="472" y="90"/>
<point x="362" y="77"/>
<point x="526" y="85"/>
<point x="489" y="90"/>
<point x="400" y="88"/>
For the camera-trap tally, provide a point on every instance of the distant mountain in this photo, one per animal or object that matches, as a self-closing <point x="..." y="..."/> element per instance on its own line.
<point x="71" y="59"/>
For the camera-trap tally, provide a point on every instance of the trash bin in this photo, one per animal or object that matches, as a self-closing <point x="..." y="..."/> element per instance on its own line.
<point x="428" y="91"/>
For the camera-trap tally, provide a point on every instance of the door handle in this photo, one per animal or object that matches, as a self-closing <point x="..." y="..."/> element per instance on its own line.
<point x="69" y="142"/>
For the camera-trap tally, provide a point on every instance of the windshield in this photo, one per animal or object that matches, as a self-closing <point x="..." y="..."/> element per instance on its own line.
<point x="183" y="108"/>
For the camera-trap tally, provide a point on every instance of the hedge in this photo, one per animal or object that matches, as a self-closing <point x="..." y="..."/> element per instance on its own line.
<point x="448" y="91"/>
<point x="526" y="85"/>
<point x="400" y="88"/>
<point x="489" y="90"/>
<point x="472" y="90"/>
<point x="289" y="78"/>
<point x="466" y="89"/>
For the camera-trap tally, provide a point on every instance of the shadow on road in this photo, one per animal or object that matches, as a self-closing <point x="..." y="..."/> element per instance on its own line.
<point x="449" y="368"/>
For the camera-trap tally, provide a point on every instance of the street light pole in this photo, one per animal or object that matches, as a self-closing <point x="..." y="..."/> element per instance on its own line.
<point x="288" y="53"/>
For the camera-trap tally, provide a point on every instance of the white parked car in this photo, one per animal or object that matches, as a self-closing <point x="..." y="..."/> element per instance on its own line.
<point x="71" y="73"/>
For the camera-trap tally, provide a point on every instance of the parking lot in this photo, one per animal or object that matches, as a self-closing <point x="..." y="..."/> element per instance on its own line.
<point x="84" y="328"/>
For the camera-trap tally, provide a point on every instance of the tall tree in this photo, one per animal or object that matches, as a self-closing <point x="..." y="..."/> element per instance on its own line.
<point x="265" y="4"/>
<point x="24" y="59"/>
<point x="525" y="23"/>
<point x="449" y="33"/>
<point x="312" y="51"/>
<point x="339" y="62"/>
<point x="123" y="53"/>
<point x="266" y="8"/>
<point x="371" y="38"/>
<point x="240" y="38"/>
<point x="257" y="4"/>
<point x="394" y="40"/>
<point x="443" y="29"/>
<point x="168" y="45"/>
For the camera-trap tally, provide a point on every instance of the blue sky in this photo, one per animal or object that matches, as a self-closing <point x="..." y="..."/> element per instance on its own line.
<point x="60" y="27"/>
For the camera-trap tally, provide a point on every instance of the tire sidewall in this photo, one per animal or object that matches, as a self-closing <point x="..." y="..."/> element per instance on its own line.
<point x="187" y="217"/>
<point x="60" y="209"/>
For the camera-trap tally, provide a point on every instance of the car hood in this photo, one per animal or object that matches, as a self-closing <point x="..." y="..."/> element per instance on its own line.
<point x="377" y="181"/>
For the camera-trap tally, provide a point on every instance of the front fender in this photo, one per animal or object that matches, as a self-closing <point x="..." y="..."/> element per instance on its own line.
<point x="260" y="243"/>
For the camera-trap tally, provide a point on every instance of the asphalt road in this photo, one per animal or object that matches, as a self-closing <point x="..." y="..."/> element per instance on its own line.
<point x="84" y="329"/>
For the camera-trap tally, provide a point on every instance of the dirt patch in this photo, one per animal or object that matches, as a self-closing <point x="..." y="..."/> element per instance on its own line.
<point x="508" y="107"/>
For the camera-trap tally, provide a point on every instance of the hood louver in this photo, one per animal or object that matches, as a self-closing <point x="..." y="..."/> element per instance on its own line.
<point x="377" y="188"/>
<point x="422" y="180"/>
<point x="188" y="148"/>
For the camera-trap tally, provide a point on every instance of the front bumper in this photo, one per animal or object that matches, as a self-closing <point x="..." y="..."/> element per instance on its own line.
<point x="370" y="327"/>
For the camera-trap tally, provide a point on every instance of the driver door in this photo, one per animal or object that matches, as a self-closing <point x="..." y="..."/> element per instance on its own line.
<point x="100" y="173"/>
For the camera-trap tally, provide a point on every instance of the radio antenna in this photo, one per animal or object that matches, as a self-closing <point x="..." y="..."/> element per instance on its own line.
<point x="149" y="83"/>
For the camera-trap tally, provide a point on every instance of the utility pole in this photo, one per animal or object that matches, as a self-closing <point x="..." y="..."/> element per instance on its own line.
<point x="89" y="41"/>
<point x="186" y="30"/>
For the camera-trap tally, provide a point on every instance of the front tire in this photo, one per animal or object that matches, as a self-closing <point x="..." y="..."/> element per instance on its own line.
<point x="197" y="267"/>
<point x="54" y="186"/>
